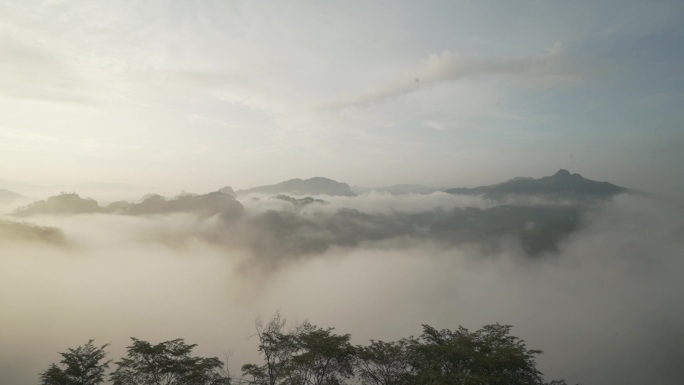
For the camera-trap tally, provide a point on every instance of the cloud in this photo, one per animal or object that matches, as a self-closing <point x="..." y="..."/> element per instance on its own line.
<point x="32" y="72"/>
<point x="608" y="297"/>
<point x="546" y="70"/>
<point x="274" y="233"/>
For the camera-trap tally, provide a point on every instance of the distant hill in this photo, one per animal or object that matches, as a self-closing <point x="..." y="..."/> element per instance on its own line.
<point x="66" y="203"/>
<point x="72" y="203"/>
<point x="562" y="184"/>
<point x="397" y="189"/>
<point x="213" y="203"/>
<point x="228" y="191"/>
<point x="299" y="202"/>
<point x="278" y="234"/>
<point x="28" y="232"/>
<point x="313" y="186"/>
<point x="7" y="196"/>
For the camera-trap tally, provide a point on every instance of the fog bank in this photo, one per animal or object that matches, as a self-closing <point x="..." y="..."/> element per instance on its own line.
<point x="607" y="299"/>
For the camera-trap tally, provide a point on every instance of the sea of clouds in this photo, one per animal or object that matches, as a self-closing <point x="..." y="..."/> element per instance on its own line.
<point x="604" y="308"/>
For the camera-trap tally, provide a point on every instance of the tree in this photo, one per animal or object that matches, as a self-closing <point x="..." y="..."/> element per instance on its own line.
<point x="323" y="358"/>
<point x="82" y="366"/>
<point x="277" y="348"/>
<point x="384" y="363"/>
<point x="489" y="356"/>
<point x="306" y="355"/>
<point x="54" y="375"/>
<point x="167" y="363"/>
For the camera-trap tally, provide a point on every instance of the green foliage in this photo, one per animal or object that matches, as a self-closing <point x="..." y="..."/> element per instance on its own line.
<point x="167" y="363"/>
<point x="82" y="366"/>
<point x="307" y="355"/>
<point x="54" y="375"/>
<point x="384" y="363"/>
<point x="310" y="355"/>
<point x="489" y="356"/>
<point x="323" y="358"/>
<point x="277" y="348"/>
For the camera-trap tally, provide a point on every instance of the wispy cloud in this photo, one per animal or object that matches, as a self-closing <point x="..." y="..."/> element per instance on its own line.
<point x="31" y="72"/>
<point x="546" y="70"/>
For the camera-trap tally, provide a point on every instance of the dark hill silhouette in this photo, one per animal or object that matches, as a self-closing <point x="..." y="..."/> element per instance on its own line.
<point x="65" y="203"/>
<point x="71" y="203"/>
<point x="299" y="202"/>
<point x="560" y="185"/>
<point x="209" y="204"/>
<point x="276" y="237"/>
<point x="312" y="186"/>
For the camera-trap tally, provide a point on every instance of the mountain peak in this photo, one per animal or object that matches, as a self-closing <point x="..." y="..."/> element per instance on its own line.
<point x="313" y="186"/>
<point x="561" y="184"/>
<point x="562" y="173"/>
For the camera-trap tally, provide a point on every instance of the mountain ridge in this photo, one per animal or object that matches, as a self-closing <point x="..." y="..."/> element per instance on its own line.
<point x="9" y="196"/>
<point x="72" y="203"/>
<point x="562" y="184"/>
<point x="312" y="186"/>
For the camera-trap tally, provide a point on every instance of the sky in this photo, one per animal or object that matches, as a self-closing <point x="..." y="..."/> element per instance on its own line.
<point x="198" y="95"/>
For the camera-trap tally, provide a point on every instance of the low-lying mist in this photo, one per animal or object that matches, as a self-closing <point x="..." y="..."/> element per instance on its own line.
<point x="603" y="303"/>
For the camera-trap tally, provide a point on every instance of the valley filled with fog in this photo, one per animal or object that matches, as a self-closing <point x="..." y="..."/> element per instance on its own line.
<point x="601" y="300"/>
<point x="455" y="163"/>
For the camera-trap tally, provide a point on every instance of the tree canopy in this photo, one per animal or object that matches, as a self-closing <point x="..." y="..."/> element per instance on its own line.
<point x="384" y="363"/>
<point x="489" y="356"/>
<point x="80" y="366"/>
<point x="310" y="355"/>
<point x="307" y="355"/>
<point x="167" y="363"/>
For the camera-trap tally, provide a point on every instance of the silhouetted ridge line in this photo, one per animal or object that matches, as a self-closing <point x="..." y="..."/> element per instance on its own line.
<point x="71" y="203"/>
<point x="562" y="184"/>
<point x="312" y="186"/>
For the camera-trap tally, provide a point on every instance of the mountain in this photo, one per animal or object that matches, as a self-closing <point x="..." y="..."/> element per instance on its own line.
<point x="67" y="203"/>
<point x="299" y="202"/>
<point x="562" y="185"/>
<point x="397" y="189"/>
<point x="28" y="232"/>
<point x="7" y="196"/>
<point x="207" y="204"/>
<point x="313" y="186"/>
<point x="71" y="203"/>
<point x="228" y="191"/>
<point x="535" y="230"/>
